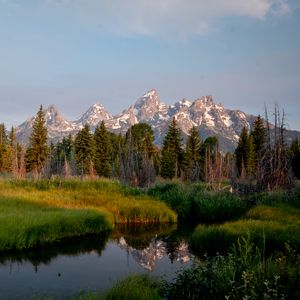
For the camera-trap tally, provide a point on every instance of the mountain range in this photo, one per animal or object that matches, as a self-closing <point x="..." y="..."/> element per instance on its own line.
<point x="211" y="118"/>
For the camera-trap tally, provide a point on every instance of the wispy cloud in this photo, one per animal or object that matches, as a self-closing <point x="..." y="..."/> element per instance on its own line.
<point x="163" y="17"/>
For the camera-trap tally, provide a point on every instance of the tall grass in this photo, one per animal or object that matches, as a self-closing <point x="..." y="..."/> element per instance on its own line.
<point x="245" y="273"/>
<point x="101" y="195"/>
<point x="272" y="226"/>
<point x="196" y="205"/>
<point x="25" y="225"/>
<point x="37" y="212"/>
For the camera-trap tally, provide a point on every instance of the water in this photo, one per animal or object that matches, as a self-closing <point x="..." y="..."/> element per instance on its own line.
<point x="93" y="263"/>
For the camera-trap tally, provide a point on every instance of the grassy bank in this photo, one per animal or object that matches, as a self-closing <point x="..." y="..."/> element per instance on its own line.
<point x="37" y="212"/>
<point x="244" y="273"/>
<point x="269" y="227"/>
<point x="24" y="224"/>
<point x="195" y="205"/>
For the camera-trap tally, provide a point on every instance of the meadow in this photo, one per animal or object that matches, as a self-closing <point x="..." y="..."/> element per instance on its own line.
<point x="34" y="213"/>
<point x="248" y="245"/>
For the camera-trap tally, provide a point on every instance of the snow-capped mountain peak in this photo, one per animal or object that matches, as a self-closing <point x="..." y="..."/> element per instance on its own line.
<point x="210" y="118"/>
<point x="147" y="106"/>
<point x="94" y="115"/>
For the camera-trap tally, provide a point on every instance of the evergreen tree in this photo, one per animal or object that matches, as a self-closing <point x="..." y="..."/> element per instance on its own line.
<point x="142" y="138"/>
<point x="116" y="155"/>
<point x="84" y="150"/>
<point x="3" y="148"/>
<point x="251" y="158"/>
<point x="208" y="154"/>
<point x="241" y="152"/>
<point x="167" y="166"/>
<point x="295" y="157"/>
<point x="13" y="153"/>
<point x="192" y="156"/>
<point x="172" y="153"/>
<point x="38" y="149"/>
<point x="102" y="151"/>
<point x="258" y="134"/>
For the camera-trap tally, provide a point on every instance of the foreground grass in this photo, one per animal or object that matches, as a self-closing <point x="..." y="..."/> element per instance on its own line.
<point x="244" y="273"/>
<point x="25" y="225"/>
<point x="269" y="227"/>
<point x="36" y="212"/>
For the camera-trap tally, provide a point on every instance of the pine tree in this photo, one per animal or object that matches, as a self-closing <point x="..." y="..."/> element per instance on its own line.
<point x="84" y="149"/>
<point x="167" y="166"/>
<point x="38" y="149"/>
<point x="208" y="154"/>
<point x="192" y="156"/>
<point x="140" y="137"/>
<point x="251" y="158"/>
<point x="241" y="152"/>
<point x="172" y="153"/>
<point x="14" y="154"/>
<point x="258" y="134"/>
<point x="295" y="157"/>
<point x="102" y="151"/>
<point x="3" y="148"/>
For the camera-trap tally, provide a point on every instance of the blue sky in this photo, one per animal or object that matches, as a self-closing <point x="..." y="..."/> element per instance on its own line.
<point x="73" y="53"/>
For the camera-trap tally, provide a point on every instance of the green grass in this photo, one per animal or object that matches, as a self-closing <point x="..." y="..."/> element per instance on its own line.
<point x="195" y="205"/>
<point x="103" y="195"/>
<point x="37" y="212"/>
<point x="25" y="225"/>
<point x="244" y="273"/>
<point x="269" y="227"/>
<point x="134" y="287"/>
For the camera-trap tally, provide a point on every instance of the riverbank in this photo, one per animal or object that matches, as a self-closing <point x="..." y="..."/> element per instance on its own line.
<point x="34" y="213"/>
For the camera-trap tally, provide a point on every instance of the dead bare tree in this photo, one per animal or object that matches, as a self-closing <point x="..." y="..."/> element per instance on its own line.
<point x="274" y="169"/>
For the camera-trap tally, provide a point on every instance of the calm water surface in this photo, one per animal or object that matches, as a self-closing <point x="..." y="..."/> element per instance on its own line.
<point x="93" y="263"/>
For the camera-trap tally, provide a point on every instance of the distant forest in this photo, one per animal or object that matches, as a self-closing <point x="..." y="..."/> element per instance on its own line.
<point x="262" y="160"/>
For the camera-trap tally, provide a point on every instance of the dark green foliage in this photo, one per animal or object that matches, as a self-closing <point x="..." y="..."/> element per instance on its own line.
<point x="137" y="159"/>
<point x="102" y="151"/>
<point x="3" y="148"/>
<point x="167" y="166"/>
<point x="243" y="274"/>
<point x="241" y="151"/>
<point x="258" y="134"/>
<point x="251" y="158"/>
<point x="194" y="205"/>
<point x="117" y="150"/>
<point x="84" y="150"/>
<point x="135" y="287"/>
<point x="295" y="157"/>
<point x="172" y="152"/>
<point x="192" y="155"/>
<point x="38" y="149"/>
<point x="63" y="157"/>
<point x="142" y="138"/>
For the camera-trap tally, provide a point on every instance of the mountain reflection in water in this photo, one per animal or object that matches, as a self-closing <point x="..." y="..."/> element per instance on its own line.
<point x="93" y="263"/>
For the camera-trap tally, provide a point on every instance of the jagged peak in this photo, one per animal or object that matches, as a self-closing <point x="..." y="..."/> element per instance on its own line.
<point x="185" y="102"/>
<point x="208" y="100"/>
<point x="150" y="93"/>
<point x="149" y="97"/>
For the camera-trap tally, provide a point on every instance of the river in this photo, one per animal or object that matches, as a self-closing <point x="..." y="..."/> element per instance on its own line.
<point x="94" y="263"/>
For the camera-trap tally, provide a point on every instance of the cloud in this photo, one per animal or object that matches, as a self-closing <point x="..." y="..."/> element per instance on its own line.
<point x="163" y="17"/>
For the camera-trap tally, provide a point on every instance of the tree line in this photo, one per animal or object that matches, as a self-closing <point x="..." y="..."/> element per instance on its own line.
<point x="261" y="157"/>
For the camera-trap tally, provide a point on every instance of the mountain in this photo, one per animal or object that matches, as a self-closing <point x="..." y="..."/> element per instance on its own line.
<point x="211" y="118"/>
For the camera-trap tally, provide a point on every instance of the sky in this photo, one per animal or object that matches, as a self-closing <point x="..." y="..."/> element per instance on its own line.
<point x="74" y="53"/>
